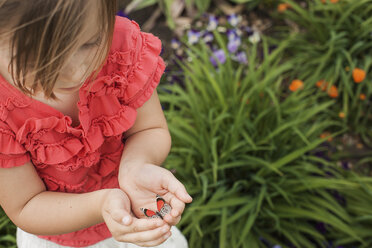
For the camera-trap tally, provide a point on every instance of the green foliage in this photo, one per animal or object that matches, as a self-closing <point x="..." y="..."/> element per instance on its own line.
<point x="7" y="231"/>
<point x="201" y="6"/>
<point x="333" y="37"/>
<point x="243" y="146"/>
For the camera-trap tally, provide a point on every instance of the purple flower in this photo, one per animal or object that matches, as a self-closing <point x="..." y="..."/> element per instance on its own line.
<point x="248" y="30"/>
<point x="208" y="37"/>
<point x="277" y="246"/>
<point x="232" y="34"/>
<point x="272" y="48"/>
<point x="121" y="13"/>
<point x="345" y="165"/>
<point x="219" y="55"/>
<point x="241" y="57"/>
<point x="339" y="197"/>
<point x="193" y="36"/>
<point x="212" y="24"/>
<point x="175" y="44"/>
<point x="321" y="227"/>
<point x="233" y="45"/>
<point x="233" y="19"/>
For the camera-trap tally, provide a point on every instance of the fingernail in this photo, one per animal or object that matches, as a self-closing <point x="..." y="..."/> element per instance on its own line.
<point x="190" y="198"/>
<point x="126" y="220"/>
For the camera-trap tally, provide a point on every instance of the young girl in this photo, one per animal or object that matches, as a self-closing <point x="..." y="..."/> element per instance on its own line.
<point x="82" y="132"/>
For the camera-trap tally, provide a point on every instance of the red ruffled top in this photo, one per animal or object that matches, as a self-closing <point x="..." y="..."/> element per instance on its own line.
<point x="83" y="158"/>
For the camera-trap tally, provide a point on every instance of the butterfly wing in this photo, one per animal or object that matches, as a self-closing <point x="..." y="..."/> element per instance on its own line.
<point x="149" y="213"/>
<point x="163" y="207"/>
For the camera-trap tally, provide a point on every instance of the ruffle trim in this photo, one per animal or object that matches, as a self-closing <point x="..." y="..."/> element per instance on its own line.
<point x="9" y="161"/>
<point x="54" y="184"/>
<point x="116" y="124"/>
<point x="8" y="143"/>
<point x="12" y="153"/>
<point x="10" y="104"/>
<point x="146" y="73"/>
<point x="146" y="93"/>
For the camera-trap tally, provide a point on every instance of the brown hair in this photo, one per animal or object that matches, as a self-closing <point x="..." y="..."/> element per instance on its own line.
<point x="45" y="35"/>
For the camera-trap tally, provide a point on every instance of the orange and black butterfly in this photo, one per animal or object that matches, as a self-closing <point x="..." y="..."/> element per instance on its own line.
<point x="163" y="209"/>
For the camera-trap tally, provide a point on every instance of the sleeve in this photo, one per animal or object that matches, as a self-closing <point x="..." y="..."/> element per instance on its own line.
<point x="12" y="153"/>
<point x="147" y="69"/>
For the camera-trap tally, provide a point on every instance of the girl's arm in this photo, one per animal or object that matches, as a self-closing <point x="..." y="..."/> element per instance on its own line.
<point x="147" y="144"/>
<point x="24" y="198"/>
<point x="40" y="212"/>
<point x="148" y="140"/>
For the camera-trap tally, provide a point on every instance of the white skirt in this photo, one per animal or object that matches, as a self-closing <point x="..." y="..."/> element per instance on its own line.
<point x="27" y="240"/>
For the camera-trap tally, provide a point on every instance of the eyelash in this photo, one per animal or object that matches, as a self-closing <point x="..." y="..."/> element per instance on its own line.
<point x="90" y="45"/>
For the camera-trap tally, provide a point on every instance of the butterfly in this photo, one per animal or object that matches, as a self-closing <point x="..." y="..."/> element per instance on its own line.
<point x="163" y="209"/>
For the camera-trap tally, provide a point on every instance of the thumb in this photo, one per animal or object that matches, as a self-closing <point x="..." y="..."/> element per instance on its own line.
<point x="174" y="186"/>
<point x="120" y="210"/>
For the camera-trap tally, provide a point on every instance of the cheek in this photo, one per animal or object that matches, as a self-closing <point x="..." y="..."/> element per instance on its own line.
<point x="75" y="69"/>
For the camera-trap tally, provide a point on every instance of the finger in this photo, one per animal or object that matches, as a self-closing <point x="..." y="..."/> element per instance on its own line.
<point x="171" y="220"/>
<point x="177" y="207"/>
<point x="176" y="204"/>
<point x="140" y="225"/>
<point x="170" y="182"/>
<point x="159" y="241"/>
<point x="119" y="212"/>
<point x="145" y="236"/>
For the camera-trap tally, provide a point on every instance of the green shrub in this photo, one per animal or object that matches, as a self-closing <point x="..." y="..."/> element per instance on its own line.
<point x="7" y="231"/>
<point x="333" y="39"/>
<point x="250" y="166"/>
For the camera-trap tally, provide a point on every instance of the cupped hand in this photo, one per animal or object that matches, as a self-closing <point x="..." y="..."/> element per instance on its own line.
<point x="124" y="227"/>
<point x="143" y="181"/>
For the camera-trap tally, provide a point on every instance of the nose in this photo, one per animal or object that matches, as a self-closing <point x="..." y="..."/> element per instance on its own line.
<point x="73" y="73"/>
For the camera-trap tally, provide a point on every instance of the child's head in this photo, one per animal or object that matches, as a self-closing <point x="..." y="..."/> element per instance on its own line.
<point x="52" y="44"/>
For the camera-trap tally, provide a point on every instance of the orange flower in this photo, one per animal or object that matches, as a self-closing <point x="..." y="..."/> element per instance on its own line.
<point x="332" y="1"/>
<point x="341" y="115"/>
<point x="326" y="134"/>
<point x="322" y="84"/>
<point x="358" y="75"/>
<point x="333" y="92"/>
<point x="296" y="85"/>
<point x="283" y="7"/>
<point x="362" y="96"/>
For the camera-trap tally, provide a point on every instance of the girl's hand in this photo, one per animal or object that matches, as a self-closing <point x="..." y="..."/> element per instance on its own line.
<point x="126" y="228"/>
<point x="143" y="181"/>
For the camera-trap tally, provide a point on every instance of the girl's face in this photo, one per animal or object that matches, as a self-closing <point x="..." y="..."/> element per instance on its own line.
<point x="71" y="77"/>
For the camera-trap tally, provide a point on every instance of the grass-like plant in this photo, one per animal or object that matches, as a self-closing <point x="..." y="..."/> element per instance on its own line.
<point x="7" y="231"/>
<point x="333" y="40"/>
<point x="245" y="148"/>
